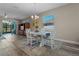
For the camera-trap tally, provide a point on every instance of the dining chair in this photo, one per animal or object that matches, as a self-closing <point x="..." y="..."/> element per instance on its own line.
<point x="52" y="42"/>
<point x="31" y="39"/>
<point x="28" y="35"/>
<point x="48" y="39"/>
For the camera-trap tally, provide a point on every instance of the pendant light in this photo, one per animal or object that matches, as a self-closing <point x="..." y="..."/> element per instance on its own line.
<point x="34" y="10"/>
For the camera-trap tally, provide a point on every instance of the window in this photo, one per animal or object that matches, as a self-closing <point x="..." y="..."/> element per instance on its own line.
<point x="6" y="27"/>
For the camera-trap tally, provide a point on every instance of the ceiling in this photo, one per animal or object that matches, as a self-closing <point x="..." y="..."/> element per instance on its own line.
<point x="22" y="10"/>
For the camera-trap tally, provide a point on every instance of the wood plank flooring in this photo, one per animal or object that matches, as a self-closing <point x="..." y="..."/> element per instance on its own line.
<point x="9" y="48"/>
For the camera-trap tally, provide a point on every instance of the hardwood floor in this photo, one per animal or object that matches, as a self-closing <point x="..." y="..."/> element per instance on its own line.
<point x="14" y="45"/>
<point x="7" y="48"/>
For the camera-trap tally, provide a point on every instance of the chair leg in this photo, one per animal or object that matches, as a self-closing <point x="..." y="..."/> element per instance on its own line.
<point x="52" y="44"/>
<point x="42" y="43"/>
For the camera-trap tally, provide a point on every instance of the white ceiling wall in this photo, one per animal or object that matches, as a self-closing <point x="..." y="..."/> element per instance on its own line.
<point x="22" y="10"/>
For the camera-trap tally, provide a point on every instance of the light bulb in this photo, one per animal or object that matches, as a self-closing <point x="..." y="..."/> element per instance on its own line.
<point x="6" y="16"/>
<point x="32" y="17"/>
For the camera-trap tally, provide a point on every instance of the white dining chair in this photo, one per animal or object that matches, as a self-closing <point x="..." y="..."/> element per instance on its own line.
<point x="30" y="38"/>
<point x="53" y="43"/>
<point x="48" y="40"/>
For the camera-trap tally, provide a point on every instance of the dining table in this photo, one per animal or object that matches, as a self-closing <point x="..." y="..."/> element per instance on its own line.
<point x="41" y="35"/>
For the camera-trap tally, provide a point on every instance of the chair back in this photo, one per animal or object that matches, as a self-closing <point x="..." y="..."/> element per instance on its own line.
<point x="28" y="33"/>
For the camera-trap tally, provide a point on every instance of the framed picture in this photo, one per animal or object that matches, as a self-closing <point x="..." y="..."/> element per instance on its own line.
<point x="48" y="20"/>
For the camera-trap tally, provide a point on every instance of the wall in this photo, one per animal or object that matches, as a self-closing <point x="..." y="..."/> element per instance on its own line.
<point x="66" y="21"/>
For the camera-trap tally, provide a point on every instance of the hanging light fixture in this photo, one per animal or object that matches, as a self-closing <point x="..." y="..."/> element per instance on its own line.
<point x="5" y="16"/>
<point x="34" y="16"/>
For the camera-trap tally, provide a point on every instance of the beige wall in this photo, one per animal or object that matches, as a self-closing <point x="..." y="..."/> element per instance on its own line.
<point x="66" y="21"/>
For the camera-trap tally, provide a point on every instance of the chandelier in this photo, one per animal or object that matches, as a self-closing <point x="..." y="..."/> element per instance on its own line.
<point x="5" y="16"/>
<point x="34" y="17"/>
<point x="35" y="12"/>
